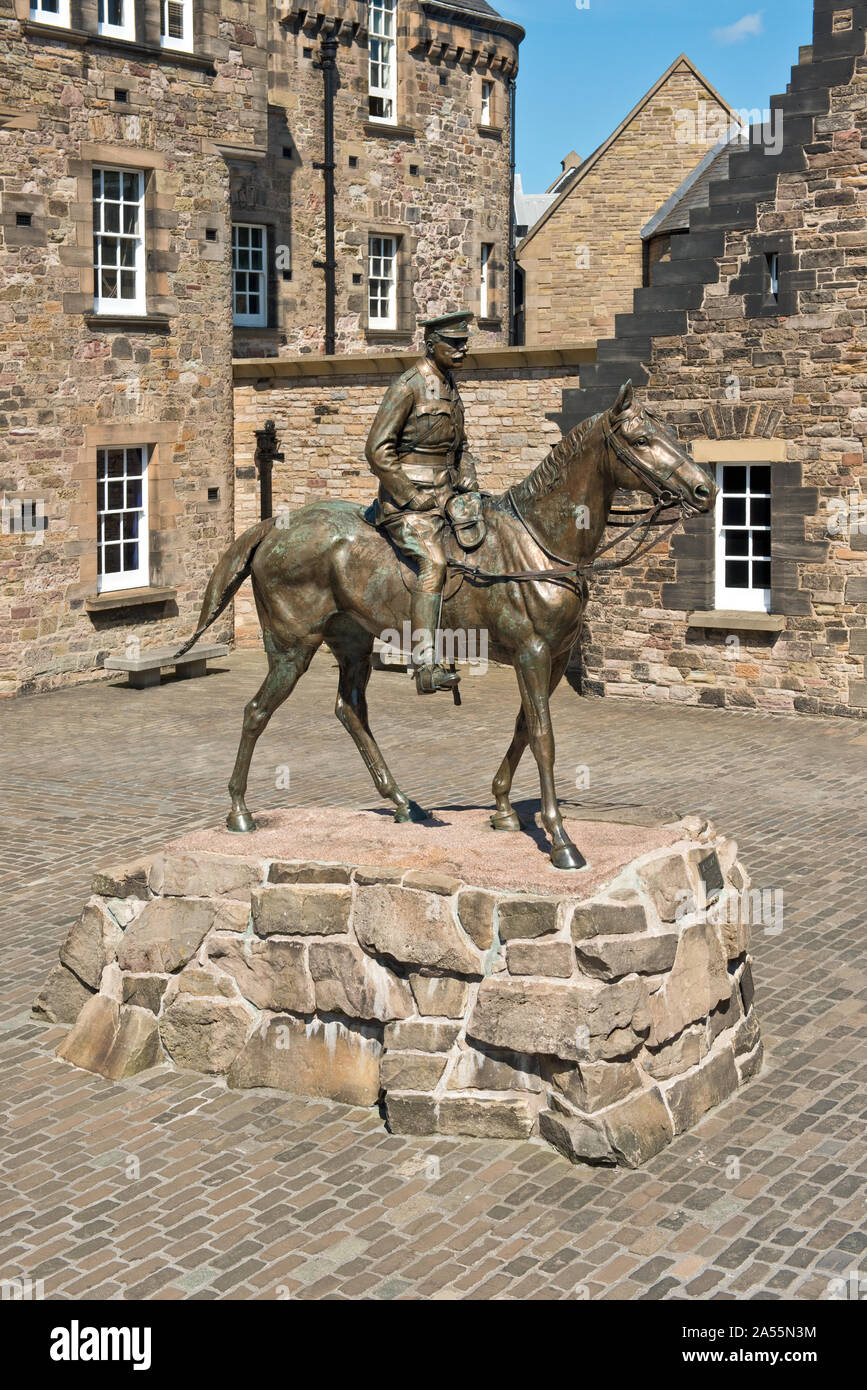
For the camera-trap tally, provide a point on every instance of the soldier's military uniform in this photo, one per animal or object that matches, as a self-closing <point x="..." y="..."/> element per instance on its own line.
<point x="417" y="449"/>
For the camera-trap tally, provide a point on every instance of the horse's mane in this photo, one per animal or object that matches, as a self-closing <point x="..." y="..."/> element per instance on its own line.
<point x="548" y="474"/>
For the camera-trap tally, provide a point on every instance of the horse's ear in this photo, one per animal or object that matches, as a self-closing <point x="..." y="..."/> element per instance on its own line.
<point x="624" y="399"/>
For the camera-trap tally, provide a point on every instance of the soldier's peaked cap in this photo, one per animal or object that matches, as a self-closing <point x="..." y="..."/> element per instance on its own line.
<point x="457" y="323"/>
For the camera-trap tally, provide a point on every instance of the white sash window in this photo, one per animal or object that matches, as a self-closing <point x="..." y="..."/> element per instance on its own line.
<point x="54" y="12"/>
<point x="122" y="518"/>
<point x="116" y="18"/>
<point x="743" y="537"/>
<point x="382" y="282"/>
<point x="487" y="101"/>
<point x="485" y="280"/>
<point x="382" y="78"/>
<point x="176" y="24"/>
<point x="249" y="275"/>
<point x="118" y="242"/>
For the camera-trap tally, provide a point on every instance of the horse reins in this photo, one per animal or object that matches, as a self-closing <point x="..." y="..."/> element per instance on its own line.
<point x="570" y="573"/>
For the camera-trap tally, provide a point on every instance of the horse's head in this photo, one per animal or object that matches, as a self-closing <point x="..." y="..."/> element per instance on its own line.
<point x="645" y="456"/>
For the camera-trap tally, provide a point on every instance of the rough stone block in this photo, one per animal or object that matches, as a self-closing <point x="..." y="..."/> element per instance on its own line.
<point x="691" y="1096"/>
<point x="552" y="958"/>
<point x="91" y="944"/>
<point x="111" y="1040"/>
<point x="145" y="991"/>
<point x="414" y="928"/>
<point x="638" y="1128"/>
<point x="204" y="1034"/>
<point x="482" y="1069"/>
<point x="432" y="881"/>
<point x="571" y="1021"/>
<point x="168" y="933"/>
<point x="439" y="996"/>
<point x="608" y="917"/>
<point x="201" y="875"/>
<point x="507" y="1118"/>
<point x="612" y="957"/>
<point x="746" y="1034"/>
<point x="748" y="989"/>
<point x="697" y="983"/>
<point x="725" y="1015"/>
<point x="123" y="881"/>
<point x="302" y="910"/>
<point x="410" y="1112"/>
<point x="750" y="1064"/>
<point x="593" y="1086"/>
<point x="308" y="871"/>
<point x="476" y="910"/>
<point x="315" y="1058"/>
<point x="525" y="918"/>
<point x="576" y="1139"/>
<point x="678" y="1055"/>
<point x="369" y="875"/>
<point x="411" y="1071"/>
<point x="271" y="974"/>
<point x="669" y="884"/>
<point x="347" y="981"/>
<point x="420" y="1035"/>
<point x="62" y="997"/>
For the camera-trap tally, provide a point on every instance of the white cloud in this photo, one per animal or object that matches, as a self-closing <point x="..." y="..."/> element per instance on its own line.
<point x="748" y="27"/>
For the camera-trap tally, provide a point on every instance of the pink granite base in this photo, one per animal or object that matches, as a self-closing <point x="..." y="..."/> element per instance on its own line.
<point x="459" y="842"/>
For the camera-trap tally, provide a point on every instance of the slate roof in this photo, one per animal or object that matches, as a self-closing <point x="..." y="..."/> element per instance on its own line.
<point x="694" y="192"/>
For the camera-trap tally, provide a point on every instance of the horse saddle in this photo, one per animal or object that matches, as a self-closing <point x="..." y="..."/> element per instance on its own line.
<point x="466" y="530"/>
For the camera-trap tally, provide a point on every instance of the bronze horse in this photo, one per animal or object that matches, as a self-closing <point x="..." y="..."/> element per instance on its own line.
<point x="324" y="574"/>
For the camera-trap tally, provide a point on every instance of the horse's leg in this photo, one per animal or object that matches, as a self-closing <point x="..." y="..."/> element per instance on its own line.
<point x="504" y="818"/>
<point x="285" y="670"/>
<point x="353" y="648"/>
<point x="534" y="672"/>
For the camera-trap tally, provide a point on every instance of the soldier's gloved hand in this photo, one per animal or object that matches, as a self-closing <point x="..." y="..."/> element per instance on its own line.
<point x="422" y="502"/>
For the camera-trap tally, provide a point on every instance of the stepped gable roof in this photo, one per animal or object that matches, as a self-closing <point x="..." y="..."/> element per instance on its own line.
<point x="694" y="192"/>
<point x="600" y="150"/>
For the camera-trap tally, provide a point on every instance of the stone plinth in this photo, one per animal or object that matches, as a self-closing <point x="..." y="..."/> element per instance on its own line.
<point x="443" y="968"/>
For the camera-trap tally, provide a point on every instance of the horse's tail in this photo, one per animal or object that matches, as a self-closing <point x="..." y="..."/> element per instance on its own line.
<point x="229" y="573"/>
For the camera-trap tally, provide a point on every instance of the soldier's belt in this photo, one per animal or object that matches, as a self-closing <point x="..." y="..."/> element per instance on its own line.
<point x="437" y="463"/>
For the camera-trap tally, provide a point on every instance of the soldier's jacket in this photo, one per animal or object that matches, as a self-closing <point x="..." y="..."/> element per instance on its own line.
<point x="417" y="440"/>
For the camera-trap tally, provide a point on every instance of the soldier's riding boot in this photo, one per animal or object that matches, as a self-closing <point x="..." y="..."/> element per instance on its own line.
<point x="430" y="674"/>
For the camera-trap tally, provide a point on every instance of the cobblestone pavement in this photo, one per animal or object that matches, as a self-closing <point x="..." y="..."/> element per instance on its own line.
<point x="173" y="1187"/>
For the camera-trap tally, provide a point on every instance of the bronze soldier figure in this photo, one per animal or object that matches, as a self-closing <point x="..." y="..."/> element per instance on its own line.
<point x="417" y="449"/>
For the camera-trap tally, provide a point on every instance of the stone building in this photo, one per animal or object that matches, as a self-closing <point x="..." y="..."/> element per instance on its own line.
<point x="580" y="261"/>
<point x="162" y="211"/>
<point x="751" y="341"/>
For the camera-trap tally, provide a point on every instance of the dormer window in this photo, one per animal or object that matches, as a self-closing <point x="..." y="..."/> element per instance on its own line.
<point x="382" y="71"/>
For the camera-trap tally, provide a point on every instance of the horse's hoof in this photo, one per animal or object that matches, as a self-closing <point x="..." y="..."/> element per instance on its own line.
<point x="505" y="820"/>
<point x="567" y="857"/>
<point x="240" y="822"/>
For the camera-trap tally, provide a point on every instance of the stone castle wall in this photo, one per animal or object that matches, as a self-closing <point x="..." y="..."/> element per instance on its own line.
<point x="583" y="264"/>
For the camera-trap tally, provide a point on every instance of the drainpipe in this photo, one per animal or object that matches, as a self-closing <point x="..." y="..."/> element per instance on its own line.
<point x="512" y="104"/>
<point x="328" y="64"/>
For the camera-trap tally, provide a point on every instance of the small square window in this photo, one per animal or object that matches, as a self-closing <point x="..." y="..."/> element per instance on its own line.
<point x="353" y="161"/>
<point x="413" y="169"/>
<point x="357" y="279"/>
<point x="210" y="234"/>
<point x="213" y="494"/>
<point x="121" y="94"/>
<point x="24" y="219"/>
<point x="443" y="78"/>
<point x="308" y="53"/>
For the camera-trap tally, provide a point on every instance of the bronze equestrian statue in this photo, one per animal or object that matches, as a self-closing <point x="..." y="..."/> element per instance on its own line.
<point x="417" y="449"/>
<point x="325" y="574"/>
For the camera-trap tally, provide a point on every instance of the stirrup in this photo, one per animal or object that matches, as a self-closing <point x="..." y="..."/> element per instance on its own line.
<point x="433" y="677"/>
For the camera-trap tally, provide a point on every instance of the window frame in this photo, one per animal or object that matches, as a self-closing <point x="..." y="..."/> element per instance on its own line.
<point x="124" y="31"/>
<point x="486" y="111"/>
<point x="138" y="304"/>
<point x="726" y="597"/>
<point x="486" y="257"/>
<point x="185" y="44"/>
<point x="387" y="323"/>
<point x="386" y="93"/>
<point x="138" y="578"/>
<point x="259" y="320"/>
<point x="61" y="19"/>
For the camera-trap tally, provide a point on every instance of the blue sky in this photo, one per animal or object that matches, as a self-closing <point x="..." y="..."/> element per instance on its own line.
<point x="583" y="69"/>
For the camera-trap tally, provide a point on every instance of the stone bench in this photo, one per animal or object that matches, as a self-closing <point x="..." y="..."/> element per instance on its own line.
<point x="144" y="669"/>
